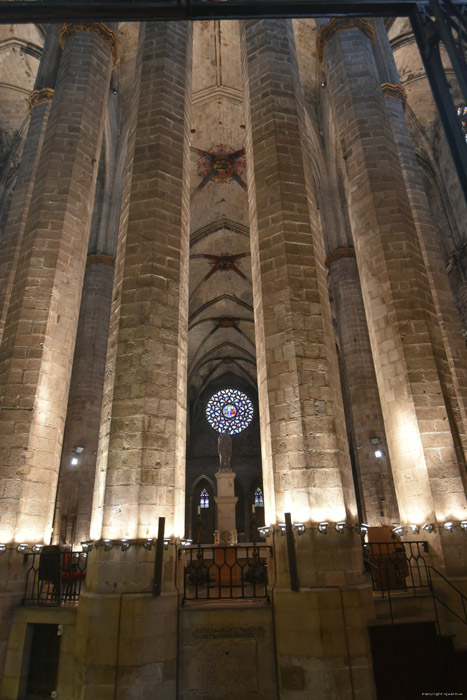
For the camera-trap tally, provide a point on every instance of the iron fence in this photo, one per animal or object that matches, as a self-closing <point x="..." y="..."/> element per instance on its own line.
<point x="397" y="565"/>
<point x="231" y="572"/>
<point x="54" y="576"/>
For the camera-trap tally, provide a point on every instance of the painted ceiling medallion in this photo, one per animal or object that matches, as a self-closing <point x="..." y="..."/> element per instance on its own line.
<point x="220" y="164"/>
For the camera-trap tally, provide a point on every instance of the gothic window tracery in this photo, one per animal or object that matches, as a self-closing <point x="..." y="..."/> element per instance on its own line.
<point x="259" y="500"/>
<point x="229" y="411"/>
<point x="204" y="499"/>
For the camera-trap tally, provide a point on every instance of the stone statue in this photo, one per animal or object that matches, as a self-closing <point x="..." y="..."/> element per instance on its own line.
<point x="224" y="447"/>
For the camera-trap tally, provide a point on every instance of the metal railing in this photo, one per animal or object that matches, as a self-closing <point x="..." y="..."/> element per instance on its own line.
<point x="442" y="589"/>
<point x="397" y="565"/>
<point x="231" y="572"/>
<point x="54" y="576"/>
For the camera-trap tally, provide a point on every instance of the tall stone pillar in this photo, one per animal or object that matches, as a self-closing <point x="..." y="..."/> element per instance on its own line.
<point x="365" y="420"/>
<point x="398" y="301"/>
<point x="37" y="345"/>
<point x="306" y="467"/>
<point x="39" y="108"/>
<point x="141" y="468"/>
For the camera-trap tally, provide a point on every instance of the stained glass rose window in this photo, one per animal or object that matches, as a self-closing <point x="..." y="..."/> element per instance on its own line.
<point x="229" y="411"/>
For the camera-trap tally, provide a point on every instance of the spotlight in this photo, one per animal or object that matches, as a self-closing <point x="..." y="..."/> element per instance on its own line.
<point x="282" y="528"/>
<point x="265" y="530"/>
<point x="414" y="529"/>
<point x="186" y="543"/>
<point x="148" y="543"/>
<point x="108" y="544"/>
<point x="79" y="449"/>
<point x="323" y="527"/>
<point x="36" y="548"/>
<point x="87" y="545"/>
<point x="167" y="541"/>
<point x="376" y="441"/>
<point x="362" y="528"/>
<point x="299" y="528"/>
<point x="399" y="530"/>
<point x="340" y="527"/>
<point x="22" y="547"/>
<point x="463" y="524"/>
<point x="449" y="525"/>
<point x="323" y="83"/>
<point x="2" y="548"/>
<point x="428" y="527"/>
<point x="379" y="453"/>
<point x="74" y="461"/>
<point x="125" y="545"/>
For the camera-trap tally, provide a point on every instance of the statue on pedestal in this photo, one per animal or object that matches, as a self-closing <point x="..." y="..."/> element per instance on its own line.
<point x="224" y="447"/>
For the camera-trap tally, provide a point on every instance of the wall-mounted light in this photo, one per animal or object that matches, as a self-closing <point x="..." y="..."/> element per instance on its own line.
<point x="362" y="528"/>
<point x="463" y="524"/>
<point x="108" y="544"/>
<point x="414" y="529"/>
<point x="148" y="543"/>
<point x="449" y="525"/>
<point x="428" y="527"/>
<point x="379" y="453"/>
<point x="79" y="449"/>
<point x="167" y="541"/>
<point x="282" y="528"/>
<point x="124" y="544"/>
<point x="376" y="440"/>
<point x="87" y="545"/>
<point x="265" y="530"/>
<point x="74" y="461"/>
<point x="186" y="543"/>
<point x="340" y="527"/>
<point x="36" y="548"/>
<point x="22" y="547"/>
<point x="299" y="528"/>
<point x="323" y="527"/>
<point x="2" y="548"/>
<point x="399" y="530"/>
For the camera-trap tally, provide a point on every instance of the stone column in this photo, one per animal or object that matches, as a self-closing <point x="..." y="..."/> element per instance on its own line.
<point x="306" y="466"/>
<point x="399" y="305"/>
<point x="39" y="108"/>
<point x="365" y="420"/>
<point x="38" y="342"/>
<point x="76" y="482"/>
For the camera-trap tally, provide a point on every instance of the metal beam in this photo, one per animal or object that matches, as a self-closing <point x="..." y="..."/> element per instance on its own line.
<point x="140" y="10"/>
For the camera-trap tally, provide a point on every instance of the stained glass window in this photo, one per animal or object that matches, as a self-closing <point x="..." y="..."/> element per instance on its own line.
<point x="259" y="501"/>
<point x="229" y="410"/>
<point x="462" y="114"/>
<point x="204" y="499"/>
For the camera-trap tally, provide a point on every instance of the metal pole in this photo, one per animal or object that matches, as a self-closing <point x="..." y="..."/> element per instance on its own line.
<point x="291" y="553"/>
<point x="159" y="557"/>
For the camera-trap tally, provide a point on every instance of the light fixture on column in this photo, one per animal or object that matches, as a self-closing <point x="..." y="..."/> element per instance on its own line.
<point x="167" y="541"/>
<point x="414" y="529"/>
<point x="74" y="461"/>
<point x="340" y="527"/>
<point x="449" y="525"/>
<point x="265" y="530"/>
<point x="124" y="544"/>
<point x="87" y="545"/>
<point x="22" y="547"/>
<point x="323" y="528"/>
<point x="148" y="543"/>
<point x="186" y="542"/>
<point x="399" y="530"/>
<point x="108" y="544"/>
<point x="362" y="529"/>
<point x="299" y="528"/>
<point x="463" y="525"/>
<point x="36" y="548"/>
<point x="78" y="449"/>
<point x="282" y="528"/>
<point x="428" y="527"/>
<point x="379" y="453"/>
<point x="2" y="548"/>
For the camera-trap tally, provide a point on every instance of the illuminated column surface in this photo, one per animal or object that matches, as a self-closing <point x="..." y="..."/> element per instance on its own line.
<point x="145" y="471"/>
<point x="37" y="346"/>
<point x="399" y="306"/>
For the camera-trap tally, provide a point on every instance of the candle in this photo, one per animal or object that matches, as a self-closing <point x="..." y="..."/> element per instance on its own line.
<point x="252" y="507"/>
<point x="199" y="510"/>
